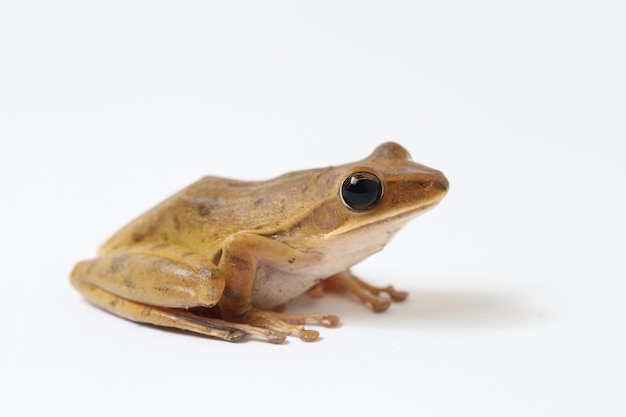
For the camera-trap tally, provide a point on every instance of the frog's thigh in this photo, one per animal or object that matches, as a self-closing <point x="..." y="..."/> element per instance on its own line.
<point x="163" y="277"/>
<point x="143" y="313"/>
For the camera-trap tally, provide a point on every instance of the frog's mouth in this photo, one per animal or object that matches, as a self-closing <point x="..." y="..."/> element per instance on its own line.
<point x="411" y="213"/>
<point x="389" y="224"/>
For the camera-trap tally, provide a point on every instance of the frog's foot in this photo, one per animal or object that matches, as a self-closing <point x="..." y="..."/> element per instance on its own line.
<point x="276" y="326"/>
<point x="271" y="325"/>
<point x="366" y="293"/>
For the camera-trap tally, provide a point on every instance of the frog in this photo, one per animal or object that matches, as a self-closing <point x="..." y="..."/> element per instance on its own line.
<point x="223" y="257"/>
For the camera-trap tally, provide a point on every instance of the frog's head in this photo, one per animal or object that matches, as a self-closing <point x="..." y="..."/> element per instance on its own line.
<point x="372" y="198"/>
<point x="351" y="211"/>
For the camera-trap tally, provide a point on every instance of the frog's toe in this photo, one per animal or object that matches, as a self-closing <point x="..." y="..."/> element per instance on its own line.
<point x="330" y="321"/>
<point x="276" y="338"/>
<point x="275" y="326"/>
<point x="380" y="304"/>
<point x="309" y="335"/>
<point x="396" y="296"/>
<point x="233" y="336"/>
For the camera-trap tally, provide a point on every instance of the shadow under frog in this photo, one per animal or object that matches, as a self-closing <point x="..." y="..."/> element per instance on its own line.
<point x="443" y="309"/>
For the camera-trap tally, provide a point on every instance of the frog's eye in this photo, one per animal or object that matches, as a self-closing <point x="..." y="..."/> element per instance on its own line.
<point x="361" y="191"/>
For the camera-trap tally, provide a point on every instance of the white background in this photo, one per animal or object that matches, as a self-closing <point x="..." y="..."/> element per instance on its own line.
<point x="517" y="280"/>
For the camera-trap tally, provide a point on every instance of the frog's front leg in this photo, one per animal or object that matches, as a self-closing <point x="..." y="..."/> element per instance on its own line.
<point x="366" y="293"/>
<point x="238" y="265"/>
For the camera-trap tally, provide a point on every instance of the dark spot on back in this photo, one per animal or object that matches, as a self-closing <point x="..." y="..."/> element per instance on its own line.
<point x="258" y="201"/>
<point x="204" y="210"/>
<point x="176" y="221"/>
<point x="137" y="237"/>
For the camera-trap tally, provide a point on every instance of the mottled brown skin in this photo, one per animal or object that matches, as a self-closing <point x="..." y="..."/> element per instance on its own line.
<point x="221" y="257"/>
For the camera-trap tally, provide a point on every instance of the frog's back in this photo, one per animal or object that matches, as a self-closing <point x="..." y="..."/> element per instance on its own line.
<point x="202" y="215"/>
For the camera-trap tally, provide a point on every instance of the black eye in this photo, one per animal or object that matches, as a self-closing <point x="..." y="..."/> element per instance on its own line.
<point x="361" y="191"/>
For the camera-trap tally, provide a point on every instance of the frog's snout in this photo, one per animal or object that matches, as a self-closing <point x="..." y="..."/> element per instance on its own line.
<point x="437" y="183"/>
<point x="442" y="183"/>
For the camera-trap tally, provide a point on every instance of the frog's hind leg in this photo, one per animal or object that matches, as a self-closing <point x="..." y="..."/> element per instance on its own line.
<point x="164" y="284"/>
<point x="167" y="317"/>
<point x="157" y="285"/>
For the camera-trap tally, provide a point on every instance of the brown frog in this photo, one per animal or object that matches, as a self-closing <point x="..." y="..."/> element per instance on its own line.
<point x="222" y="257"/>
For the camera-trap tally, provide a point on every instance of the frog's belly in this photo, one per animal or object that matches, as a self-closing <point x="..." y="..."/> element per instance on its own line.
<point x="277" y="284"/>
<point x="273" y="287"/>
